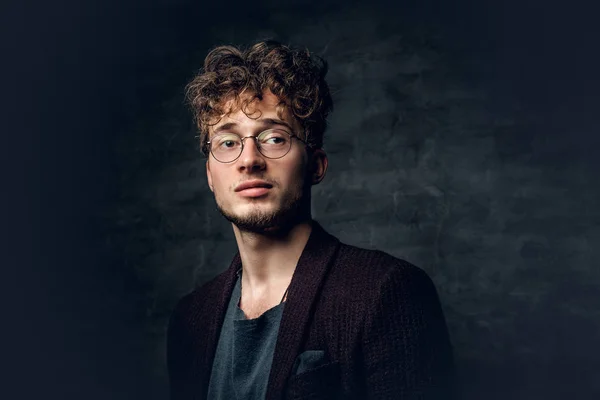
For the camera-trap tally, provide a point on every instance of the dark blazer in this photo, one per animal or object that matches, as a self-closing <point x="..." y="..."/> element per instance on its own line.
<point x="374" y="322"/>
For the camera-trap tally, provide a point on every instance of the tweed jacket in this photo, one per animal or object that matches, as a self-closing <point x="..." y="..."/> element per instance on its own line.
<point x="375" y="320"/>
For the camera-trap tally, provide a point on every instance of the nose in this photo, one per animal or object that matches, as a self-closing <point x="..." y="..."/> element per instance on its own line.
<point x="250" y="159"/>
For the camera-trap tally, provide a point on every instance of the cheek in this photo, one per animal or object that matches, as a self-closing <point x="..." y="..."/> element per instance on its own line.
<point x="218" y="181"/>
<point x="298" y="175"/>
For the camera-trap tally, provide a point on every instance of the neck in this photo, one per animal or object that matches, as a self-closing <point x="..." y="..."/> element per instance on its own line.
<point x="269" y="261"/>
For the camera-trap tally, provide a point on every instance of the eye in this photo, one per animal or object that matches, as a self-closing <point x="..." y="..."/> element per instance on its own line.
<point x="274" y="137"/>
<point x="227" y="141"/>
<point x="275" y="140"/>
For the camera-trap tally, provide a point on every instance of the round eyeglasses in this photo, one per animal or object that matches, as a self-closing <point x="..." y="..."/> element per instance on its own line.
<point x="273" y="143"/>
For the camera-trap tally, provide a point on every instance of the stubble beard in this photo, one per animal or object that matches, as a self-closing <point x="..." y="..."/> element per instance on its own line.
<point x="294" y="209"/>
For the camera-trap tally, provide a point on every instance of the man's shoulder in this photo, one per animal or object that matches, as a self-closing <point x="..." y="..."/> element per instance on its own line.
<point x="374" y="266"/>
<point x="378" y="279"/>
<point x="376" y="261"/>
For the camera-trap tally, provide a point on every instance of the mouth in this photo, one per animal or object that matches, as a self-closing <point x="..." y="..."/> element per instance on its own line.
<point x="253" y="188"/>
<point x="254" y="192"/>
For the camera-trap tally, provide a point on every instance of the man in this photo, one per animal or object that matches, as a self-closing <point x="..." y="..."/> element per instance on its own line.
<point x="297" y="314"/>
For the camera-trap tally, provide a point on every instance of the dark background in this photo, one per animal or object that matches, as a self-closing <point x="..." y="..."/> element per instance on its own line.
<point x="464" y="140"/>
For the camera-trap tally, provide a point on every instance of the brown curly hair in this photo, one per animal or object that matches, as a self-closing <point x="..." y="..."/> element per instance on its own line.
<point x="296" y="77"/>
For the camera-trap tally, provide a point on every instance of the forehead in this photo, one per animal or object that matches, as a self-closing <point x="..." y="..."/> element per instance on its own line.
<point x="249" y="111"/>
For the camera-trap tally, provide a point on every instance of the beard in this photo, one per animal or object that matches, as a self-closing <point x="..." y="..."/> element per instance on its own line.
<point x="294" y="209"/>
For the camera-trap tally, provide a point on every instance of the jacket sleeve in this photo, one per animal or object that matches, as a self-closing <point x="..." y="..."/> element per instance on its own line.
<point x="179" y="358"/>
<point x="406" y="346"/>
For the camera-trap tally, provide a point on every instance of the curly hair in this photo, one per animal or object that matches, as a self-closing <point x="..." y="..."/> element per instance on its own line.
<point x="296" y="77"/>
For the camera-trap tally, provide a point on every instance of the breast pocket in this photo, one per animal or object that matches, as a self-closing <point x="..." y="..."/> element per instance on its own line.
<point x="317" y="383"/>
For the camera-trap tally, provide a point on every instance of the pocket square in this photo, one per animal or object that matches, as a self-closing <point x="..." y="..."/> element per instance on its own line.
<point x="309" y="359"/>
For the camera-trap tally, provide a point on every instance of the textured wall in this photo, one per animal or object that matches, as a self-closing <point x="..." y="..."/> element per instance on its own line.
<point x="435" y="157"/>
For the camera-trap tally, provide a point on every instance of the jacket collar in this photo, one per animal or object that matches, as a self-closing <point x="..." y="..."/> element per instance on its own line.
<point x="303" y="291"/>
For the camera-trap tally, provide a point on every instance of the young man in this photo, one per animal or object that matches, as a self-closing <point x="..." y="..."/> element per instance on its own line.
<point x="297" y="314"/>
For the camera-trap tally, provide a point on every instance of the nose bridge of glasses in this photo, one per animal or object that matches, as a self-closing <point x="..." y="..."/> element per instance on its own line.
<point x="255" y="151"/>
<point x="254" y="139"/>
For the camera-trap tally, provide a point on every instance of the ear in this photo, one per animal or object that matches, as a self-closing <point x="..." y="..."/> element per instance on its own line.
<point x="318" y="165"/>
<point x="209" y="176"/>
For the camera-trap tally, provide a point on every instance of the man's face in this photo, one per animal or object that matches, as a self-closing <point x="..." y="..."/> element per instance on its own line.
<point x="285" y="200"/>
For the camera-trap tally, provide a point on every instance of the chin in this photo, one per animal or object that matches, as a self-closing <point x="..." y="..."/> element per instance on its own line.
<point x="265" y="220"/>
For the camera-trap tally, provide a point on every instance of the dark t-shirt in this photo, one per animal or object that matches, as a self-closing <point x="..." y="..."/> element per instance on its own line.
<point x="244" y="353"/>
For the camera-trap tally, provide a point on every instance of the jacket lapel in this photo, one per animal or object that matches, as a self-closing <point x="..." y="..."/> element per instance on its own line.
<point x="302" y="295"/>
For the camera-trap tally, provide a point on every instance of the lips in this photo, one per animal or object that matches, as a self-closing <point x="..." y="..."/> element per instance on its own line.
<point x="253" y="184"/>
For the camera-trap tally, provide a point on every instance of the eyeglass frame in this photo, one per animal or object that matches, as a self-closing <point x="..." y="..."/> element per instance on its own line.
<point x="242" y="138"/>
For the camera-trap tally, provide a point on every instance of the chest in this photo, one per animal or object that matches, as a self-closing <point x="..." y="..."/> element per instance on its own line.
<point x="255" y="308"/>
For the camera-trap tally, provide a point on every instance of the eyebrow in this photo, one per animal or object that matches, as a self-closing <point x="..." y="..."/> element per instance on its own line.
<point x="265" y="121"/>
